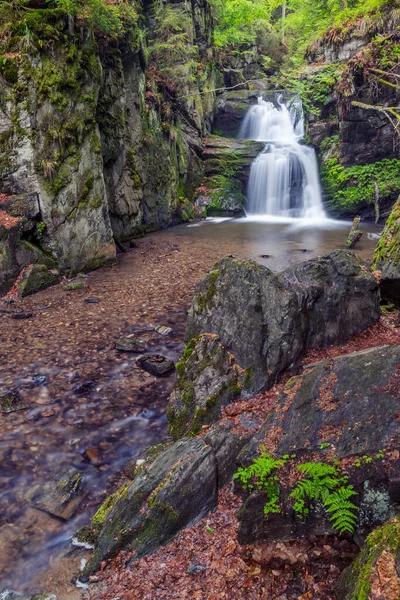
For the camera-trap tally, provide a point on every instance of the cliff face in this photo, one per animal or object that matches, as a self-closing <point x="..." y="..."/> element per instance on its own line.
<point x="95" y="141"/>
<point x="353" y="82"/>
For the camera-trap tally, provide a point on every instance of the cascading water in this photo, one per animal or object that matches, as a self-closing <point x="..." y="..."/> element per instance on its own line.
<point x="284" y="178"/>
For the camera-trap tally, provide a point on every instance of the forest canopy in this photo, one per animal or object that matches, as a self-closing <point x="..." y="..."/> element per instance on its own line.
<point x="295" y="23"/>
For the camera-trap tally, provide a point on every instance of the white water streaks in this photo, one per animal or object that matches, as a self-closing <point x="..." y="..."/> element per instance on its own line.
<point x="284" y="178"/>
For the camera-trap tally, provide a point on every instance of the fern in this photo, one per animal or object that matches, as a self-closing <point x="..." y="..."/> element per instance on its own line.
<point x="262" y="474"/>
<point x="324" y="483"/>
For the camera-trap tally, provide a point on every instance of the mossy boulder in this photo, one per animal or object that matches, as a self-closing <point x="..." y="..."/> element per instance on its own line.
<point x="172" y="489"/>
<point x="36" y="278"/>
<point x="178" y="487"/>
<point x="227" y="168"/>
<point x="207" y="379"/>
<point x="387" y="255"/>
<point x="376" y="571"/>
<point x="268" y="320"/>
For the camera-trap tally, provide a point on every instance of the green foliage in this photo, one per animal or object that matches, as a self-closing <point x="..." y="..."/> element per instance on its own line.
<point x="262" y="474"/>
<point x="350" y="187"/>
<point x="314" y="88"/>
<point x="324" y="483"/>
<point x="173" y="49"/>
<point x="241" y="21"/>
<point x="320" y="482"/>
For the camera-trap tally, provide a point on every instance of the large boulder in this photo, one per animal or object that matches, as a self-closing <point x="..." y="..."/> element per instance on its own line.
<point x="177" y="488"/>
<point x="345" y="410"/>
<point x="207" y="379"/>
<point x="387" y="255"/>
<point x="269" y="320"/>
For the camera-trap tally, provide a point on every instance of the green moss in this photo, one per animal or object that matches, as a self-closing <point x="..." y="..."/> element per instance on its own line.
<point x="353" y="187"/>
<point x="74" y="286"/>
<point x="388" y="247"/>
<point x="386" y="537"/>
<point x="248" y="376"/>
<point x="101" y="515"/>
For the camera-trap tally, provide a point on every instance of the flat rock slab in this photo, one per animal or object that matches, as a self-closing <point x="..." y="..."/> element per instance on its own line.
<point x="157" y="365"/>
<point x="131" y="344"/>
<point x="61" y="496"/>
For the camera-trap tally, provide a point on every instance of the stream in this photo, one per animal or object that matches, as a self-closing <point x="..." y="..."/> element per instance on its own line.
<point x="91" y="407"/>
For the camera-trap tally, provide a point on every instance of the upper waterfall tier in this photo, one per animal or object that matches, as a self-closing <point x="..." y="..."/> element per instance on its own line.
<point x="284" y="178"/>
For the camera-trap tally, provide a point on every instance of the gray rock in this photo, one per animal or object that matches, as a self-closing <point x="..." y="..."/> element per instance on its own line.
<point x="157" y="365"/>
<point x="61" y="496"/>
<point x="178" y="487"/>
<point x="347" y="406"/>
<point x="37" y="277"/>
<point x="269" y="320"/>
<point x="11" y="401"/>
<point x="207" y="379"/>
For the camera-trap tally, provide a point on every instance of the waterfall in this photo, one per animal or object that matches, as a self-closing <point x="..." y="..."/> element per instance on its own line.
<point x="284" y="178"/>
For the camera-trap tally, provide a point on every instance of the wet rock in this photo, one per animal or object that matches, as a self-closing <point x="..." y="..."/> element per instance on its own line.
<point x="130" y="344"/>
<point x="207" y="379"/>
<point x="157" y="365"/>
<point x="178" y="487"/>
<point x="347" y="406"/>
<point x="84" y="388"/>
<point x="269" y="320"/>
<point x="376" y="569"/>
<point x="22" y="315"/>
<point x="37" y="277"/>
<point x="61" y="496"/>
<point x="11" y="401"/>
<point x="94" y="456"/>
<point x="355" y="234"/>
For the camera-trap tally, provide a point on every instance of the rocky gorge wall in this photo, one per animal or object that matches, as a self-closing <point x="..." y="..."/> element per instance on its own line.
<point x="97" y="143"/>
<point x="350" y="88"/>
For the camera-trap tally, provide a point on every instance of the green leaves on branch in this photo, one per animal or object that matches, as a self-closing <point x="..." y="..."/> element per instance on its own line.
<point x="319" y="483"/>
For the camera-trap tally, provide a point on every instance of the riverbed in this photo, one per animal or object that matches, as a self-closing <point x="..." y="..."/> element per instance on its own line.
<point x="89" y="406"/>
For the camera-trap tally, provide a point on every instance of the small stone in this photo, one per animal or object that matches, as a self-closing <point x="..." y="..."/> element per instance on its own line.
<point x="22" y="315"/>
<point x="130" y="344"/>
<point x="74" y="286"/>
<point x="83" y="388"/>
<point x="91" y="300"/>
<point x="157" y="365"/>
<point x="194" y="569"/>
<point x="11" y="401"/>
<point x="162" y="329"/>
<point x="94" y="456"/>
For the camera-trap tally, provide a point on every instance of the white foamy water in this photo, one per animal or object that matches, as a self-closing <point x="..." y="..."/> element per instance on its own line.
<point x="284" y="180"/>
